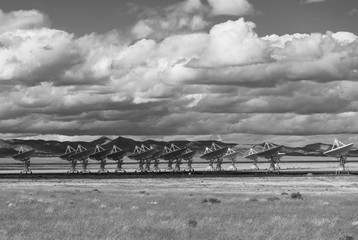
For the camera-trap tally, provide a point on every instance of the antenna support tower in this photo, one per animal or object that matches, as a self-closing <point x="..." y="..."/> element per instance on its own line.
<point x="252" y="155"/>
<point x="24" y="155"/>
<point x="340" y="151"/>
<point x="188" y="156"/>
<point x="231" y="154"/>
<point x="271" y="152"/>
<point x="212" y="154"/>
<point x="173" y="154"/>
<point x="100" y="154"/>
<point x="66" y="156"/>
<point x="143" y="155"/>
<point x="81" y="154"/>
<point x="117" y="154"/>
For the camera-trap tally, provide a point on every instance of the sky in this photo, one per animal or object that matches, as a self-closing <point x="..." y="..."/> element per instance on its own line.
<point x="242" y="71"/>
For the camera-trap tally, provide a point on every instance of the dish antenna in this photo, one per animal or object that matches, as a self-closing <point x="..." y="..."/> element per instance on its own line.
<point x="188" y="156"/>
<point x="212" y="154"/>
<point x="82" y="154"/>
<point x="24" y="155"/>
<point x="252" y="155"/>
<point x="100" y="154"/>
<point x="66" y="156"/>
<point x="271" y="152"/>
<point x="340" y="151"/>
<point x="143" y="155"/>
<point x="171" y="154"/>
<point x="117" y="154"/>
<point x="231" y="154"/>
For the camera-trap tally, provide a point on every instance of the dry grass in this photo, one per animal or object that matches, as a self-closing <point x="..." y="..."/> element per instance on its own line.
<point x="90" y="211"/>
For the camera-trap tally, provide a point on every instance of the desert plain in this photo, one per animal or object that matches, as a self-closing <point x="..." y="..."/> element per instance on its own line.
<point x="243" y="207"/>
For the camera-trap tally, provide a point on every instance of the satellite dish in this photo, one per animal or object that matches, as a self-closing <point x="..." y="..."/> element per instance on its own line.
<point x="66" y="156"/>
<point x="214" y="153"/>
<point x="231" y="154"/>
<point x="100" y="154"/>
<point x="82" y="154"/>
<point x="252" y="155"/>
<point x="143" y="154"/>
<point x="171" y="154"/>
<point x="271" y="152"/>
<point x="117" y="154"/>
<point x="188" y="156"/>
<point x="340" y="150"/>
<point x="24" y="155"/>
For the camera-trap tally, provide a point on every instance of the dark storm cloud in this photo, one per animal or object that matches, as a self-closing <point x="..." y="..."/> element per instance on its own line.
<point x="200" y="80"/>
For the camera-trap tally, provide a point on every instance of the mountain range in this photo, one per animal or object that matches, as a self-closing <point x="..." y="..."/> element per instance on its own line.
<point x="55" y="148"/>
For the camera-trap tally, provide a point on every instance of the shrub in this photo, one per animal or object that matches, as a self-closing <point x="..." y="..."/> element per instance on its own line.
<point x="211" y="200"/>
<point x="214" y="200"/>
<point x="346" y="237"/>
<point x="192" y="223"/>
<point x="296" y="195"/>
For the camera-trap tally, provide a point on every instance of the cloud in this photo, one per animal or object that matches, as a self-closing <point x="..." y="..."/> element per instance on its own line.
<point x="187" y="17"/>
<point x="30" y="19"/>
<point x="233" y="43"/>
<point x="352" y="12"/>
<point x="313" y="1"/>
<point x="231" y="7"/>
<point x="224" y="81"/>
<point x="36" y="55"/>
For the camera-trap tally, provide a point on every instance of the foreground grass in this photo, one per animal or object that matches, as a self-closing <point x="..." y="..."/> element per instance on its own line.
<point x="90" y="213"/>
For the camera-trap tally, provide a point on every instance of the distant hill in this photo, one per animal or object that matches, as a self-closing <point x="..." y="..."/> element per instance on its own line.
<point x="55" y="148"/>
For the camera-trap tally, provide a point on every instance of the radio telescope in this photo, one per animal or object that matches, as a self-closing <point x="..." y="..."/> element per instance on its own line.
<point x="100" y="154"/>
<point x="253" y="156"/>
<point x="24" y="155"/>
<point x="188" y="156"/>
<point x="143" y="155"/>
<point x="171" y="154"/>
<point x="215" y="152"/>
<point x="81" y="154"/>
<point x="155" y="158"/>
<point x="271" y="152"/>
<point x="117" y="154"/>
<point x="66" y="156"/>
<point x="231" y="154"/>
<point x="340" y="151"/>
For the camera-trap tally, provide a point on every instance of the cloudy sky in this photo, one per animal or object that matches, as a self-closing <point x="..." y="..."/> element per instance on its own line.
<point x="232" y="70"/>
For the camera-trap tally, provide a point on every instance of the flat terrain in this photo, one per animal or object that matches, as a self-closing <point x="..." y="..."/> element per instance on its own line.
<point x="181" y="208"/>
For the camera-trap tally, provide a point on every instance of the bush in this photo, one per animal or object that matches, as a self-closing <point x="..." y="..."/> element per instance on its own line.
<point x="192" y="223"/>
<point x="346" y="237"/>
<point x="214" y="200"/>
<point x="211" y="200"/>
<point x="296" y="195"/>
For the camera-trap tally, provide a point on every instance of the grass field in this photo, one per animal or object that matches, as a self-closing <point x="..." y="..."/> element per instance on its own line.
<point x="200" y="208"/>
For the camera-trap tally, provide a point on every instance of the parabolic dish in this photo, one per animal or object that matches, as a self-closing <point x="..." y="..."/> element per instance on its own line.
<point x="231" y="155"/>
<point x="24" y="155"/>
<point x="117" y="155"/>
<point x="272" y="152"/>
<point x="66" y="155"/>
<point x="174" y="155"/>
<point x="252" y="156"/>
<point x="339" y="151"/>
<point x="100" y="155"/>
<point x="219" y="153"/>
<point x="143" y="155"/>
<point x="81" y="155"/>
<point x="157" y="154"/>
<point x="188" y="155"/>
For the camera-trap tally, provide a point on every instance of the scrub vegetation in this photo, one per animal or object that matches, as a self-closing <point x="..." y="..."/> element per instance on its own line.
<point x="139" y="209"/>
